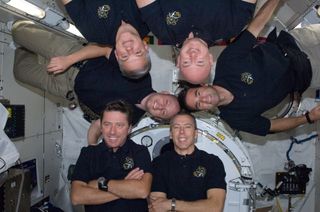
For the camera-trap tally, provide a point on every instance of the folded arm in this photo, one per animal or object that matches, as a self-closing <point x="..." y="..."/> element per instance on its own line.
<point x="61" y="63"/>
<point x="214" y="202"/>
<point x="83" y="193"/>
<point x="283" y="124"/>
<point x="131" y="189"/>
<point x="136" y="182"/>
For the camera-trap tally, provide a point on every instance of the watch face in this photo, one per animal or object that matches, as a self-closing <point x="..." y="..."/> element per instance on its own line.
<point x="102" y="184"/>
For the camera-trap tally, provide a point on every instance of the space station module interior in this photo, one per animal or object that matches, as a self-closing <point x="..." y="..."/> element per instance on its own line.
<point x="41" y="136"/>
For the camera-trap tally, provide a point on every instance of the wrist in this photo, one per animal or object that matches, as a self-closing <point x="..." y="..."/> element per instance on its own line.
<point x="309" y="120"/>
<point x="103" y="184"/>
<point x="173" y="205"/>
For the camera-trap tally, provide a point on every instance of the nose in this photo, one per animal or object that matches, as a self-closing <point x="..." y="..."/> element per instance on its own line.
<point x="181" y="130"/>
<point x="113" y="129"/>
<point x="203" y="99"/>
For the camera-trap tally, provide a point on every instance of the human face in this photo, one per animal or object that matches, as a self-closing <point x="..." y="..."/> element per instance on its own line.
<point x="162" y="106"/>
<point x="202" y="98"/>
<point x="131" y="51"/>
<point x="115" y="129"/>
<point x="183" y="133"/>
<point x="195" y="61"/>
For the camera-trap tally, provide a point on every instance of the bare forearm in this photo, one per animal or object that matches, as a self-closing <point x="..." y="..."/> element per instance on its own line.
<point x="143" y="3"/>
<point x="94" y="132"/>
<point x="90" y="196"/>
<point x="131" y="189"/>
<point x="88" y="52"/>
<point x="203" y="205"/>
<point x="283" y="124"/>
<point x="262" y="17"/>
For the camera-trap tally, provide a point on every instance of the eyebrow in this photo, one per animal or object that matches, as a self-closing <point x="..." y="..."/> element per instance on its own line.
<point x="196" y="102"/>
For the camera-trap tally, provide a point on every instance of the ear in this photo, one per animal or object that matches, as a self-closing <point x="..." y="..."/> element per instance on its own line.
<point x="130" y="129"/>
<point x="146" y="47"/>
<point x="191" y="35"/>
<point x="116" y="54"/>
<point x="178" y="61"/>
<point x="210" y="59"/>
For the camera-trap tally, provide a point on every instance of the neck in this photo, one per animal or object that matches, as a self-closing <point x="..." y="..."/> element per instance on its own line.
<point x="184" y="152"/>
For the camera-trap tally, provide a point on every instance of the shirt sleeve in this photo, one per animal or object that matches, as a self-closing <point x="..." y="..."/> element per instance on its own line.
<point x="258" y="125"/>
<point x="241" y="47"/>
<point x="216" y="174"/>
<point x="143" y="160"/>
<point x="82" y="166"/>
<point x="158" y="180"/>
<point x="152" y="14"/>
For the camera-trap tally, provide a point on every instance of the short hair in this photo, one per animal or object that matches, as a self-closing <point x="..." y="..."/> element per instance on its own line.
<point x="182" y="95"/>
<point x="120" y="106"/>
<point x="137" y="73"/>
<point x="184" y="113"/>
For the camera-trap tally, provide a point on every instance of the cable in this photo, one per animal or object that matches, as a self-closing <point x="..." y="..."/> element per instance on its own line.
<point x="296" y="141"/>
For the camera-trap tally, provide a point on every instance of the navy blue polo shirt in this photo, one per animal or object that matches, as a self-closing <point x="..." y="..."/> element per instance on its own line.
<point x="101" y="161"/>
<point x="259" y="78"/>
<point x="99" y="20"/>
<point x="100" y="81"/>
<point x="187" y="177"/>
<point x="172" y="20"/>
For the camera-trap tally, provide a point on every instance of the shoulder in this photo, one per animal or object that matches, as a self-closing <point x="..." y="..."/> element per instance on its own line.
<point x="208" y="158"/>
<point x="165" y="157"/>
<point x="134" y="147"/>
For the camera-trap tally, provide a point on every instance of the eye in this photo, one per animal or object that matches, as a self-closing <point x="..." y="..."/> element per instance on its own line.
<point x="198" y="93"/>
<point x="106" y="124"/>
<point x="185" y="63"/>
<point x="124" y="57"/>
<point x="120" y="125"/>
<point x="139" y="53"/>
<point x="200" y="63"/>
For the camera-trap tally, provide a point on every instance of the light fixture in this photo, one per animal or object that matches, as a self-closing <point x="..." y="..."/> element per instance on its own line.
<point x="26" y="7"/>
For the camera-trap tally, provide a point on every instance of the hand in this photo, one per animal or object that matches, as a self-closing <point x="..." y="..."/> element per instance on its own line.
<point x="135" y="174"/>
<point x="159" y="204"/>
<point x="314" y="114"/>
<point x="58" y="64"/>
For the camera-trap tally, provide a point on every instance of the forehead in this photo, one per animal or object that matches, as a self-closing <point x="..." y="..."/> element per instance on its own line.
<point x="114" y="116"/>
<point x="182" y="119"/>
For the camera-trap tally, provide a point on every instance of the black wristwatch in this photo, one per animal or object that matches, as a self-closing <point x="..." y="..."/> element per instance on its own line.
<point x="103" y="184"/>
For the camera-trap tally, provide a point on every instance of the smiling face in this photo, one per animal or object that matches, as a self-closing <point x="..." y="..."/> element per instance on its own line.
<point x="202" y="98"/>
<point x="115" y="128"/>
<point x="131" y="51"/>
<point x="162" y="106"/>
<point x="194" y="60"/>
<point x="183" y="133"/>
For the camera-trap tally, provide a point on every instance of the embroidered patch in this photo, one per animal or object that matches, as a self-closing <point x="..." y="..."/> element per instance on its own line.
<point x="173" y="18"/>
<point x="200" y="172"/>
<point x="128" y="163"/>
<point x="247" y="78"/>
<point x="103" y="11"/>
